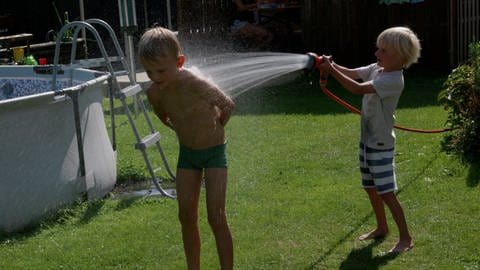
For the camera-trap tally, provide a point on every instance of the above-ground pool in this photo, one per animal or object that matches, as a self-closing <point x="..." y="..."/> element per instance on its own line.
<point x="41" y="167"/>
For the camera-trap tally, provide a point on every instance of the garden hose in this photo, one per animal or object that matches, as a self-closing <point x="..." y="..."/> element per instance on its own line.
<point x="357" y="111"/>
<point x="317" y="60"/>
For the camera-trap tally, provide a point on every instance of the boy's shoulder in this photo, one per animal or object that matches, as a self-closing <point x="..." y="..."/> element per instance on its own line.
<point x="367" y="72"/>
<point x="195" y="78"/>
<point x="187" y="75"/>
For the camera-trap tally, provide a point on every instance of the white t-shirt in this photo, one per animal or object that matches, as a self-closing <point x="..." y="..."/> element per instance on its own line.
<point x="378" y="108"/>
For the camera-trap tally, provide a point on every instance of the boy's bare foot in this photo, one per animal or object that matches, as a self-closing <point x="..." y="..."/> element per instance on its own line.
<point x="375" y="234"/>
<point x="402" y="246"/>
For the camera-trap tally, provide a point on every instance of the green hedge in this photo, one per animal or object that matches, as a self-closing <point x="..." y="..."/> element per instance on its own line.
<point x="461" y="97"/>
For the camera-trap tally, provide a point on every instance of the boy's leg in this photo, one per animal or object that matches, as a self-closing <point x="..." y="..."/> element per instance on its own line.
<point x="188" y="183"/>
<point x="379" y="210"/>
<point x="216" y="187"/>
<point x="405" y="242"/>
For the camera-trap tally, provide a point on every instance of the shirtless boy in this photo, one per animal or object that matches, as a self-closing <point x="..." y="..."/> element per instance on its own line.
<point x="197" y="111"/>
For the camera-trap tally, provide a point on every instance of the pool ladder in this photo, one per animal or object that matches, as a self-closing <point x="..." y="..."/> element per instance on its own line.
<point x="116" y="91"/>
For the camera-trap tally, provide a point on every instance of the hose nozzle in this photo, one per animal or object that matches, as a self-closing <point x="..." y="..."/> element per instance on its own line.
<point x="314" y="60"/>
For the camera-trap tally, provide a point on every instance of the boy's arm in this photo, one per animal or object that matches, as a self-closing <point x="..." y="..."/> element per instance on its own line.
<point x="217" y="98"/>
<point x="347" y="78"/>
<point x="227" y="110"/>
<point x="351" y="73"/>
<point x="225" y="104"/>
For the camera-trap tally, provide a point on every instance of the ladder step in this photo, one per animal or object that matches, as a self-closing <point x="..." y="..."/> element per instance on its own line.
<point x="148" y="141"/>
<point x="129" y="91"/>
<point x="121" y="73"/>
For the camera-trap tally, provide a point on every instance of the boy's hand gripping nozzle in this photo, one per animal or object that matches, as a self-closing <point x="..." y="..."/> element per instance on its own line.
<point x="314" y="62"/>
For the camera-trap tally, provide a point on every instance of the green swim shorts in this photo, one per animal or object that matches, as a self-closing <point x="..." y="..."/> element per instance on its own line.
<point x="213" y="157"/>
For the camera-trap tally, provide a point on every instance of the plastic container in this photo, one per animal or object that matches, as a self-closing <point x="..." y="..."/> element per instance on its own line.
<point x="18" y="55"/>
<point x="42" y="61"/>
<point x="30" y="60"/>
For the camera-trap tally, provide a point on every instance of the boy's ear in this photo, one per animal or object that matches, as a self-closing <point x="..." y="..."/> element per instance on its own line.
<point x="180" y="61"/>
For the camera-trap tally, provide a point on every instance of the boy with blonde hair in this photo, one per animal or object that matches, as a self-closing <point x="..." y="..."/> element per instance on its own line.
<point x="381" y="87"/>
<point x="197" y="111"/>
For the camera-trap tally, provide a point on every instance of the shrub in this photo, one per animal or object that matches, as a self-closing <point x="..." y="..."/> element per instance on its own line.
<point x="461" y="97"/>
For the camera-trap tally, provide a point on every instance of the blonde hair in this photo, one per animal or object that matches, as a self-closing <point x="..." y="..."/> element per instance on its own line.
<point x="158" y="42"/>
<point x="403" y="41"/>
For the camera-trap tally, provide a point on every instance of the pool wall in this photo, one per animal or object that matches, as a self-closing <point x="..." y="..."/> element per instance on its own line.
<point x="40" y="168"/>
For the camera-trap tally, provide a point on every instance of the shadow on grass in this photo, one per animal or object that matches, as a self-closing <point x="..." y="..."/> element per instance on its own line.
<point x="363" y="258"/>
<point x="91" y="211"/>
<point x="473" y="178"/>
<point x="304" y="96"/>
<point x="55" y="218"/>
<point x="325" y="255"/>
<point x="12" y="237"/>
<point x="62" y="216"/>
<point x="421" y="88"/>
<point x="126" y="203"/>
<point x="93" y="208"/>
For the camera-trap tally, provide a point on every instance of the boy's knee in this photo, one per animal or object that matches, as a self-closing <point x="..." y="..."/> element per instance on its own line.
<point x="188" y="218"/>
<point x="217" y="221"/>
<point x="388" y="195"/>
<point x="389" y="198"/>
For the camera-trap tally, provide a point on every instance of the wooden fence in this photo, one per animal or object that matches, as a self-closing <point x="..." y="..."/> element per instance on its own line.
<point x="465" y="27"/>
<point x="347" y="29"/>
<point x="203" y="25"/>
<point x="203" y="16"/>
<point x="344" y="28"/>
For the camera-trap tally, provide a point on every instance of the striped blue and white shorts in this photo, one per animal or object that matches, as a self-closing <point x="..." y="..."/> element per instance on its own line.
<point x="377" y="167"/>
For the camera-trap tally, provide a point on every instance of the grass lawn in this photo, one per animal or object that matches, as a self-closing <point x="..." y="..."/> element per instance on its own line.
<point x="294" y="197"/>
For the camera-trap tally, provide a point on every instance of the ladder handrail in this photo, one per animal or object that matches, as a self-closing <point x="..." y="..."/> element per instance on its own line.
<point x="125" y="65"/>
<point x="116" y="44"/>
<point x="77" y="26"/>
